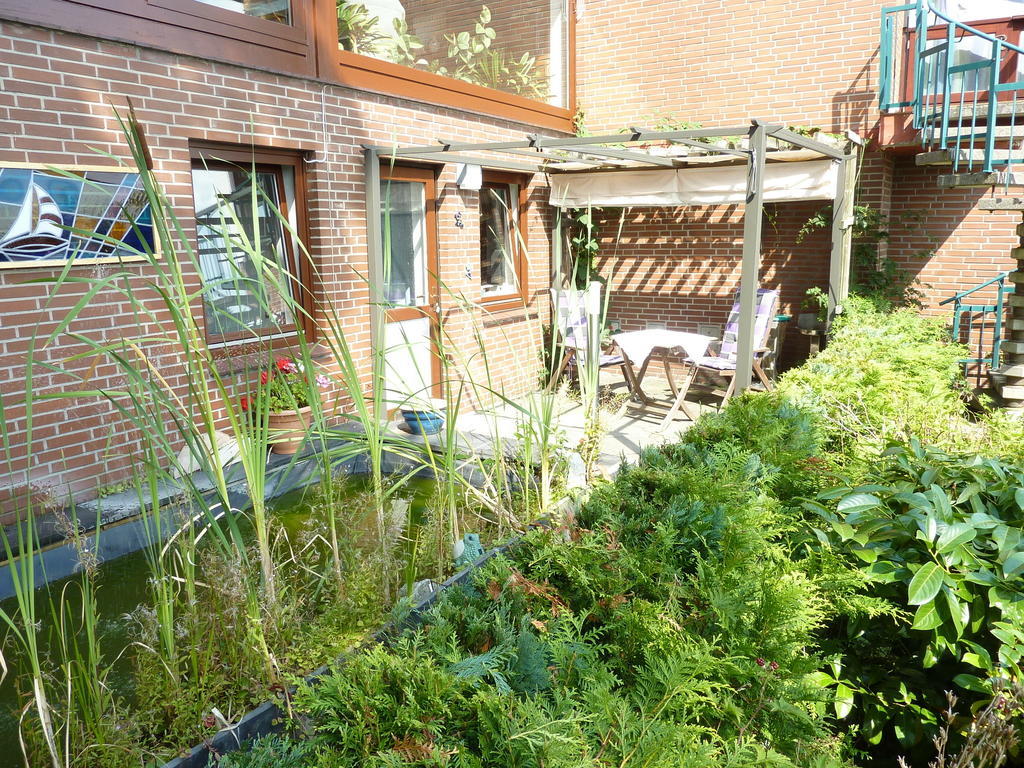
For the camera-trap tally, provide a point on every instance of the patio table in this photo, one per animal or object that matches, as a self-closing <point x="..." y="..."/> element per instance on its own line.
<point x="640" y="347"/>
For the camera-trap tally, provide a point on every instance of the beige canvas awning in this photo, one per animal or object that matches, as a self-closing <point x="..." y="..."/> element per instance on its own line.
<point x="715" y="185"/>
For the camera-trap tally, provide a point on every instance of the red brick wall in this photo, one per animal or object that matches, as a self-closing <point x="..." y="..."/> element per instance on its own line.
<point x="57" y="102"/>
<point x="970" y="245"/>
<point x="719" y="63"/>
<point x="682" y="267"/>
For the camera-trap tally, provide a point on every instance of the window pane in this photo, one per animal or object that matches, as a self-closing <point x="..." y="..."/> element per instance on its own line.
<point x="497" y="265"/>
<point x="518" y="48"/>
<point x="404" y="229"/>
<point x="271" y="10"/>
<point x="238" y="300"/>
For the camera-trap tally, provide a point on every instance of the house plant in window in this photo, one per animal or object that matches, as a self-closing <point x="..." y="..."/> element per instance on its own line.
<point x="285" y="392"/>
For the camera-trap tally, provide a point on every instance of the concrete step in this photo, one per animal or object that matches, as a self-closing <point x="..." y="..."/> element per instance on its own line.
<point x="980" y="133"/>
<point x="979" y="112"/>
<point x="1010" y="371"/>
<point x="1013" y="347"/>
<point x="1011" y="392"/>
<point x="994" y="179"/>
<point x="974" y="157"/>
<point x="1018" y="276"/>
<point x="1014" y="300"/>
<point x="1004" y="204"/>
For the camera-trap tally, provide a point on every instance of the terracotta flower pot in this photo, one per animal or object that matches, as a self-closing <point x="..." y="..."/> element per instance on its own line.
<point x="288" y="429"/>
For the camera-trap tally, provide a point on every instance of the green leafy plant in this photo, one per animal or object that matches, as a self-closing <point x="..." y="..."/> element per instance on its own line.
<point x="358" y="29"/>
<point x="816" y="300"/>
<point x="360" y="32"/>
<point x="872" y="274"/>
<point x="940" y="537"/>
<point x="475" y="59"/>
<point x="283" y="387"/>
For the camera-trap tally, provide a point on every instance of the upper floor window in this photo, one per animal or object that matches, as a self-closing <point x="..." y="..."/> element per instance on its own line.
<point x="519" y="48"/>
<point x="502" y="247"/>
<point x="979" y="10"/>
<point x="251" y="265"/>
<point x="271" y="10"/>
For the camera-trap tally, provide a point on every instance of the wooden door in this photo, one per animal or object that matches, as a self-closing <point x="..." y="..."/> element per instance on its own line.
<point x="410" y="289"/>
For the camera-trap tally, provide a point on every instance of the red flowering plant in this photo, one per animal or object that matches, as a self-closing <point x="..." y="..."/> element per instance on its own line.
<point x="284" y="387"/>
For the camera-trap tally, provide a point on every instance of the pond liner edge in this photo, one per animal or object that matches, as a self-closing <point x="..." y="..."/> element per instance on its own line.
<point x="266" y="718"/>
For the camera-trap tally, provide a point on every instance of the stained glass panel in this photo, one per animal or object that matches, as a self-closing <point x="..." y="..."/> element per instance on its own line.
<point x="47" y="218"/>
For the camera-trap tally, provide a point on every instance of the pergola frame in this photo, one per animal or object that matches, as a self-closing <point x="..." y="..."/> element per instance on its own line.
<point x="595" y="154"/>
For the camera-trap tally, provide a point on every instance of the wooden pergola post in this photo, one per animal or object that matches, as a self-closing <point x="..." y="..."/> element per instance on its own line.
<point x="375" y="273"/>
<point x="751" y="266"/>
<point x="842" y="234"/>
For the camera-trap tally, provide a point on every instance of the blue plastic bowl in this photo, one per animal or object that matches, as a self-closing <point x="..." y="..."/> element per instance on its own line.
<point x="423" y="422"/>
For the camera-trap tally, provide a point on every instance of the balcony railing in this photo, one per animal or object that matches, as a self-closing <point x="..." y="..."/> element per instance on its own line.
<point x="963" y="85"/>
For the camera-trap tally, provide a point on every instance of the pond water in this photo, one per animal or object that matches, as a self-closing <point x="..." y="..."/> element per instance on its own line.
<point x="122" y="588"/>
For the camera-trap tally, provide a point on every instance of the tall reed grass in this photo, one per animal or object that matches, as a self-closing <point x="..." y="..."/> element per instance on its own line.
<point x="174" y="392"/>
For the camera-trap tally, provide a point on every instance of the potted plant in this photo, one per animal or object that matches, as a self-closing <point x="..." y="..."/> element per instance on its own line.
<point x="287" y="391"/>
<point x="815" y="300"/>
<point x="424" y="418"/>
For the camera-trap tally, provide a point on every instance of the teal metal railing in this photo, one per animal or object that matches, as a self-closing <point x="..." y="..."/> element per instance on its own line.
<point x="980" y="326"/>
<point x="963" y="86"/>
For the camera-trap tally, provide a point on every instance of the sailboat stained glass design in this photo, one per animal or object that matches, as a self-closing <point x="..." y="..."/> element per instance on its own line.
<point x="48" y="218"/>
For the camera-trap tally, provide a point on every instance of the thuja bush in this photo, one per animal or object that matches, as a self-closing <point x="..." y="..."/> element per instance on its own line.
<point x="673" y="628"/>
<point x="764" y="592"/>
<point x="885" y="375"/>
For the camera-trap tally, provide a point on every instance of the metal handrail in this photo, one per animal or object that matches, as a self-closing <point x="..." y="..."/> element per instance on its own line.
<point x="939" y="81"/>
<point x="1000" y="278"/>
<point x="969" y="311"/>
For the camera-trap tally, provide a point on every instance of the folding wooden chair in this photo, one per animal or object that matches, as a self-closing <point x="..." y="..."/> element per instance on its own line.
<point x="723" y="363"/>
<point x="572" y="325"/>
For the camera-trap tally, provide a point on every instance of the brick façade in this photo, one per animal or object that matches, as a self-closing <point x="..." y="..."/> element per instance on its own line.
<point x="57" y="105"/>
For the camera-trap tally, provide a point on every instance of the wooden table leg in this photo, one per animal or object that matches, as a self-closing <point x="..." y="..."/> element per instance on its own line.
<point x="634" y="381"/>
<point x="678" y="402"/>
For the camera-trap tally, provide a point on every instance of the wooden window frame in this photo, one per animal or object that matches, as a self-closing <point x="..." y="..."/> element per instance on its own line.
<point x="520" y="243"/>
<point x="215" y="155"/>
<point x="367" y="73"/>
<point x="251" y="28"/>
<point x="428" y="176"/>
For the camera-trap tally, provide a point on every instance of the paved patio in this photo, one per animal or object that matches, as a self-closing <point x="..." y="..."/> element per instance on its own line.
<point x="625" y="434"/>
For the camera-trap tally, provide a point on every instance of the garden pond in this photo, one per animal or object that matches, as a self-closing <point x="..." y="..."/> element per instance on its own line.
<point x="123" y="591"/>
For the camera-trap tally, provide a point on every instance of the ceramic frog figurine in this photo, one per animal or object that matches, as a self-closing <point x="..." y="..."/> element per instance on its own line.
<point x="467" y="551"/>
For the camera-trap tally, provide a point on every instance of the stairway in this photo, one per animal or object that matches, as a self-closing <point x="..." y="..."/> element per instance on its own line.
<point x="1008" y="379"/>
<point x="967" y="95"/>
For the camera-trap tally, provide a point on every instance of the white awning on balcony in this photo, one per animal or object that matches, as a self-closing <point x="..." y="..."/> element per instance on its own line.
<point x="714" y="185"/>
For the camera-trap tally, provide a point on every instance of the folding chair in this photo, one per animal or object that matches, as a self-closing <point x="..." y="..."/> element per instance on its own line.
<point x="723" y="364"/>
<point x="572" y="324"/>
